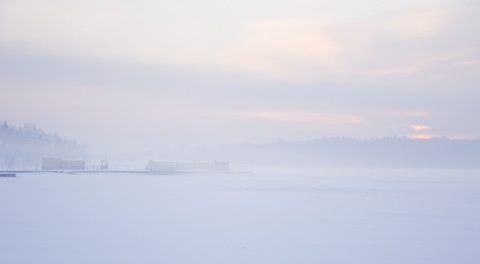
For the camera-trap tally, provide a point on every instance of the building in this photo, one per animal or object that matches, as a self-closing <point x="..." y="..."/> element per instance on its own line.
<point x="166" y="166"/>
<point x="62" y="164"/>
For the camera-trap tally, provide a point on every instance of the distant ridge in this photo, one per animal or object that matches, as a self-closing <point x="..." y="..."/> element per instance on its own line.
<point x="342" y="151"/>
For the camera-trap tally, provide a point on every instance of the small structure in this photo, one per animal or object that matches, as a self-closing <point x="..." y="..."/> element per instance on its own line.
<point x="62" y="164"/>
<point x="104" y="165"/>
<point x="166" y="166"/>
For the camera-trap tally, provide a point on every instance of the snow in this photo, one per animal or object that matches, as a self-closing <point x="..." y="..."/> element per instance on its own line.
<point x="276" y="215"/>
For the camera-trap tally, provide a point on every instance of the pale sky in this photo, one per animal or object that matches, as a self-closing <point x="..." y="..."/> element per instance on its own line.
<point x="131" y="75"/>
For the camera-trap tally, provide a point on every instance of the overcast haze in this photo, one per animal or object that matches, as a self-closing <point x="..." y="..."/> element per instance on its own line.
<point x="124" y="75"/>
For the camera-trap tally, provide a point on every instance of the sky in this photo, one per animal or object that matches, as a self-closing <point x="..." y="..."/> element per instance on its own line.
<point x="131" y="75"/>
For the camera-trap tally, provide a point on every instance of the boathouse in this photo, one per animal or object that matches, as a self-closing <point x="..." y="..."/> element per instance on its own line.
<point x="62" y="164"/>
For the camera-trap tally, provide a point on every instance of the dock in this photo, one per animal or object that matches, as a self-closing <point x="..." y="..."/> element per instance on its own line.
<point x="8" y="175"/>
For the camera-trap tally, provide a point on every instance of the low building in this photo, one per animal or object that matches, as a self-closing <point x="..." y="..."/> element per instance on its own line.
<point x="167" y="166"/>
<point x="62" y="164"/>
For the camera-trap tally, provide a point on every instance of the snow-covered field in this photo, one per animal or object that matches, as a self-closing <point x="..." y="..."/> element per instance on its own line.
<point x="288" y="215"/>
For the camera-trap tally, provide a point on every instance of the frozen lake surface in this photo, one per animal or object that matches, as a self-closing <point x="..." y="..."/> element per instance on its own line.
<point x="296" y="216"/>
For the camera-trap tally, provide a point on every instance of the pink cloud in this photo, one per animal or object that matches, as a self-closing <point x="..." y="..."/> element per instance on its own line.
<point x="419" y="127"/>
<point x="305" y="117"/>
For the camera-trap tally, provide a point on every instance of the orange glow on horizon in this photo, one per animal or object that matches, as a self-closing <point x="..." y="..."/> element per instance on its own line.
<point x="421" y="136"/>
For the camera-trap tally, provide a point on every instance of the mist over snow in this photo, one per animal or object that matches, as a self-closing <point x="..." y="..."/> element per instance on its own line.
<point x="395" y="152"/>
<point x="357" y="122"/>
<point x="25" y="146"/>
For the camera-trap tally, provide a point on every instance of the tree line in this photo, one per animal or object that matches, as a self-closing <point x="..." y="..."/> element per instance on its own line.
<point x="24" y="146"/>
<point x="400" y="152"/>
